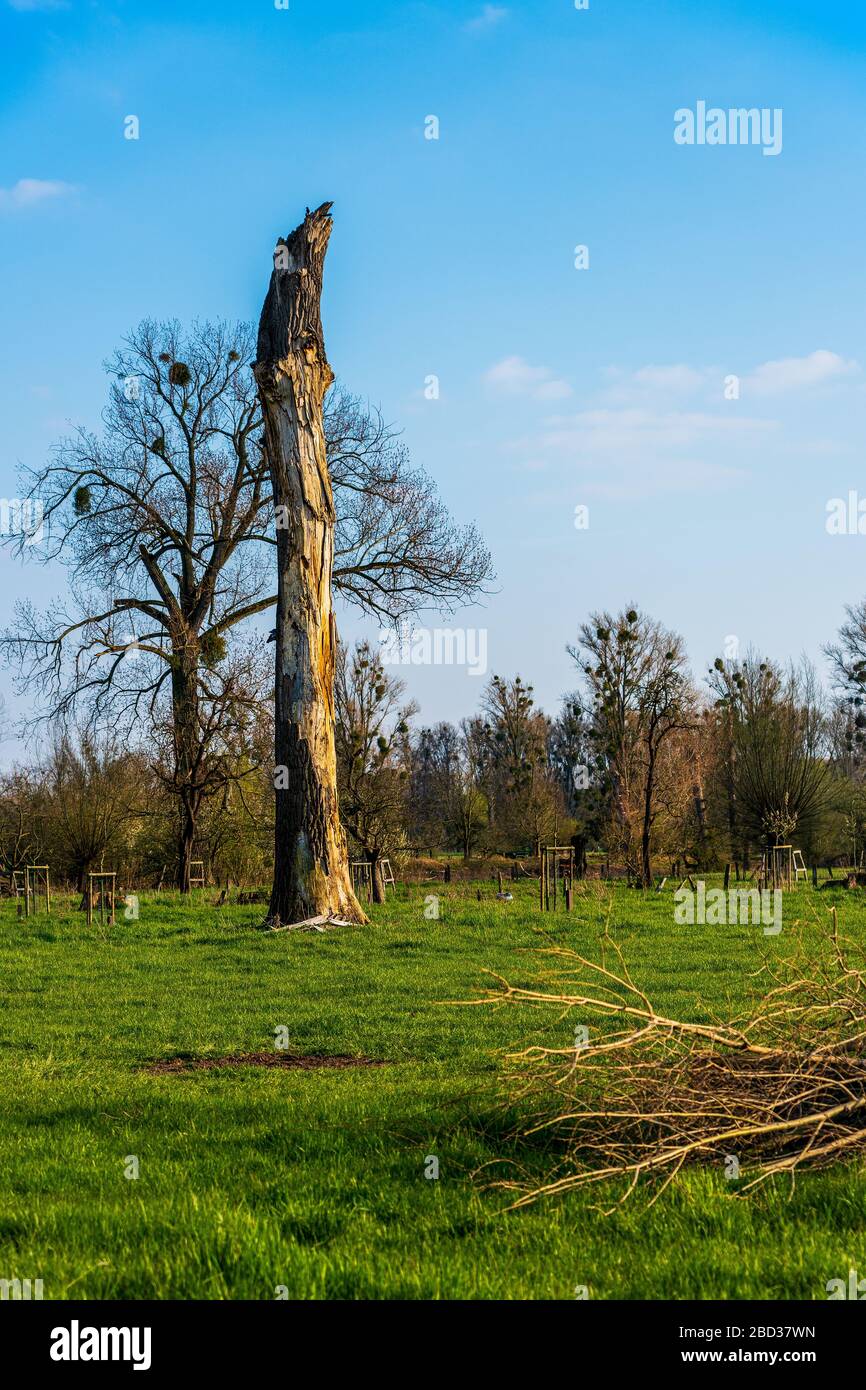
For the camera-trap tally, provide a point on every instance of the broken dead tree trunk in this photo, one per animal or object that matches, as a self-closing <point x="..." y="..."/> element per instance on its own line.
<point x="311" y="865"/>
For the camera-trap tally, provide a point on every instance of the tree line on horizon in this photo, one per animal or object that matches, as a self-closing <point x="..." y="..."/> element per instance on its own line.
<point x="640" y="761"/>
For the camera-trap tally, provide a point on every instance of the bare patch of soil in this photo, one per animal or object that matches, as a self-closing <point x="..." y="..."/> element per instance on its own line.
<point x="178" y="1066"/>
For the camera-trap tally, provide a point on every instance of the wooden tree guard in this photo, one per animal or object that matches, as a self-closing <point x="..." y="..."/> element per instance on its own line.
<point x="387" y="873"/>
<point x="782" y="866"/>
<point x="362" y="878"/>
<point x="37" y="884"/>
<point x="557" y="861"/>
<point x="196" y="880"/>
<point x="107" y="882"/>
<point x="778" y="867"/>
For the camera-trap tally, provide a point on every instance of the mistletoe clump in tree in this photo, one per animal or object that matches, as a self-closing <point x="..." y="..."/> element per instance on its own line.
<point x="779" y="747"/>
<point x="640" y="697"/>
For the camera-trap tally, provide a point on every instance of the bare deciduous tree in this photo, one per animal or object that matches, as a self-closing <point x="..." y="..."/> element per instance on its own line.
<point x="20" y="840"/>
<point x="510" y="754"/>
<point x="372" y="739"/>
<point x="154" y="519"/>
<point x="641" y="696"/>
<point x="165" y="523"/>
<point x="89" y="790"/>
<point x="781" y="767"/>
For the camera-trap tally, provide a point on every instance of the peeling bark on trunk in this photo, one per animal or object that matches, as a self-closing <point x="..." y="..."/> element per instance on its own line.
<point x="311" y="865"/>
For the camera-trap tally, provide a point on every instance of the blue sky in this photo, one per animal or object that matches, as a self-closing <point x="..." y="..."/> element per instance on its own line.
<point x="455" y="257"/>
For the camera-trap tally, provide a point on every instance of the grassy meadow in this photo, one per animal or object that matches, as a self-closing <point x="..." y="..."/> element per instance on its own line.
<point x="255" y="1179"/>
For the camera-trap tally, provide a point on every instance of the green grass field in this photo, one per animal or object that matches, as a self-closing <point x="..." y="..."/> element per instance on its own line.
<point x="251" y="1178"/>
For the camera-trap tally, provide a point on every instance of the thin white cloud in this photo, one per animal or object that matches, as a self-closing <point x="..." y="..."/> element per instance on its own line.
<point x="28" y="193"/>
<point x="676" y="380"/>
<point x="798" y="373"/>
<point x="637" y="452"/>
<point x="666" y="476"/>
<point x="597" y="432"/>
<point x="490" y="16"/>
<point x="514" y="376"/>
<point x="664" y="428"/>
<point x="673" y="377"/>
<point x="679" y="378"/>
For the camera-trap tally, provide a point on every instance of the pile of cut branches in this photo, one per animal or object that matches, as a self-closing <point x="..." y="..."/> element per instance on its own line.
<point x="634" y="1094"/>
